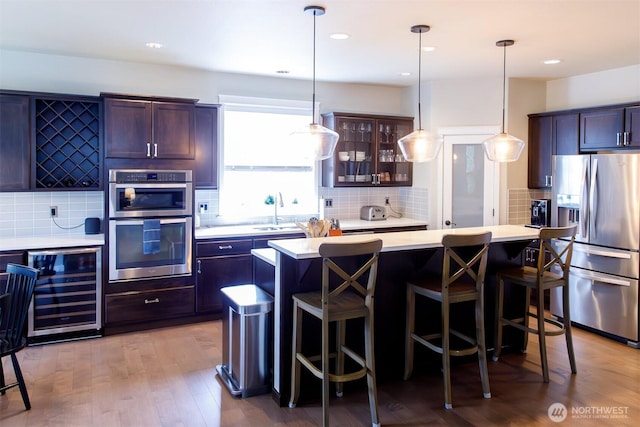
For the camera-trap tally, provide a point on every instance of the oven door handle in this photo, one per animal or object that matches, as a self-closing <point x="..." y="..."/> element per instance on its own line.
<point x="162" y="185"/>
<point x="141" y="221"/>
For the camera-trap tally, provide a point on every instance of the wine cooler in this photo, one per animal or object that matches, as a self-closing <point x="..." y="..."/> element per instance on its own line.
<point x="67" y="300"/>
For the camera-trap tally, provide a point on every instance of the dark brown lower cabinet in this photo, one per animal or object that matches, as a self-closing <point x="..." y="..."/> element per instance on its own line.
<point x="141" y="306"/>
<point x="215" y="273"/>
<point x="6" y="258"/>
<point x="221" y="263"/>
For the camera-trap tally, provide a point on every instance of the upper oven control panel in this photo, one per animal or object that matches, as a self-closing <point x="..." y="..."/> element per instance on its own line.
<point x="149" y="176"/>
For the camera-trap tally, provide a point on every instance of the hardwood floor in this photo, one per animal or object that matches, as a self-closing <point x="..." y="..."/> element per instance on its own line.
<point x="166" y="377"/>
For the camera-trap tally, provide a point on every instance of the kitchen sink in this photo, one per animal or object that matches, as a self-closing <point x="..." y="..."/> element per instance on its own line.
<point x="276" y="227"/>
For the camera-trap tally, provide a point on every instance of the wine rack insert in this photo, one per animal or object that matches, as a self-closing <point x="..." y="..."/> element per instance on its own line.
<point x="67" y="143"/>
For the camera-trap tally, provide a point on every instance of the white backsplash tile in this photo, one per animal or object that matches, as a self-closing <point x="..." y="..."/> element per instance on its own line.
<point x="27" y="214"/>
<point x="346" y="202"/>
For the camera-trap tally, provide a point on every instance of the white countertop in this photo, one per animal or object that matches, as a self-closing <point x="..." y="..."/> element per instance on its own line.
<point x="402" y="241"/>
<point x="50" y="242"/>
<point x="267" y="255"/>
<point x="227" y="231"/>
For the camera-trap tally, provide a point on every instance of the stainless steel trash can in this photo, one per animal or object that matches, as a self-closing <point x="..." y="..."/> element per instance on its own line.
<point x="246" y="335"/>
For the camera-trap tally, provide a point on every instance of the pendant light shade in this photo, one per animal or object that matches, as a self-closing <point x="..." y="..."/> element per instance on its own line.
<point x="315" y="141"/>
<point x="503" y="147"/>
<point x="420" y="145"/>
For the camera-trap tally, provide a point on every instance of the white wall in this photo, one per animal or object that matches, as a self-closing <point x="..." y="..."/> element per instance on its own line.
<point x="606" y="87"/>
<point x="87" y="76"/>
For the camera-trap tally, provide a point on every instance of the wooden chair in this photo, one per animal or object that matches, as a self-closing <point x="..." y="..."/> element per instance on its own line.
<point x="548" y="274"/>
<point x="14" y="306"/>
<point x="463" y="270"/>
<point x="349" y="300"/>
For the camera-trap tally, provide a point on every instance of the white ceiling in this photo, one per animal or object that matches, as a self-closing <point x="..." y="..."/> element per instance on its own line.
<point x="263" y="36"/>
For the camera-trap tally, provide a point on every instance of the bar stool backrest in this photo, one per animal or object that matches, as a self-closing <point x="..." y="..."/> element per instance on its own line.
<point x="559" y="255"/>
<point x="472" y="265"/>
<point x="16" y="297"/>
<point x="349" y="281"/>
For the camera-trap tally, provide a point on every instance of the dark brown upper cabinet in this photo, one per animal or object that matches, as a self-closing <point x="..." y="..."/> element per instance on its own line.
<point x="149" y="128"/>
<point x="367" y="153"/>
<point x="610" y="128"/>
<point x="14" y="143"/>
<point x="632" y="127"/>
<point x="540" y="149"/>
<point x="206" y="164"/>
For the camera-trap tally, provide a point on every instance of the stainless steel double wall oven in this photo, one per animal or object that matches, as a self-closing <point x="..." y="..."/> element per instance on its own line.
<point x="150" y="224"/>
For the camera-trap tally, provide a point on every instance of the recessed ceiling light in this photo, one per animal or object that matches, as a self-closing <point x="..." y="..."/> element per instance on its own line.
<point x="339" y="36"/>
<point x="428" y="48"/>
<point x="551" y="61"/>
<point x="154" y="45"/>
<point x="405" y="74"/>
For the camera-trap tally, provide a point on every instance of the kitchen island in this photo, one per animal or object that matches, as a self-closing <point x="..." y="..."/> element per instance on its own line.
<point x="404" y="255"/>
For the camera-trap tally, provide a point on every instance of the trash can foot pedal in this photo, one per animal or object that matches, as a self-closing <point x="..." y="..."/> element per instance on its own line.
<point x="225" y="377"/>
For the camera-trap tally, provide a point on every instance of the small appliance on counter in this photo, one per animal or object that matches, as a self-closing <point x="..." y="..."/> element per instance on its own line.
<point x="540" y="213"/>
<point x="92" y="226"/>
<point x="373" y="213"/>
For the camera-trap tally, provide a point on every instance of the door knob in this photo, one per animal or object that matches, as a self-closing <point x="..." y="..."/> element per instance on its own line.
<point x="447" y="222"/>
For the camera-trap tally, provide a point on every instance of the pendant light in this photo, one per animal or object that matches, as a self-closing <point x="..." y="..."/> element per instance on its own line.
<point x="419" y="145"/>
<point x="317" y="142"/>
<point x="503" y="147"/>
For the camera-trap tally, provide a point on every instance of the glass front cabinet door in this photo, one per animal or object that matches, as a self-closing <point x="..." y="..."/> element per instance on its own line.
<point x="367" y="153"/>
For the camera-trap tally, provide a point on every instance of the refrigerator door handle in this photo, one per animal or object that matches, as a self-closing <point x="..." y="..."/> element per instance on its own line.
<point x="593" y="202"/>
<point x="595" y="277"/>
<point x="602" y="252"/>
<point x="584" y="212"/>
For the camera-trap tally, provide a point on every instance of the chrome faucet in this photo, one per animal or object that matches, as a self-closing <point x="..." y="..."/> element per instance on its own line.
<point x="277" y="202"/>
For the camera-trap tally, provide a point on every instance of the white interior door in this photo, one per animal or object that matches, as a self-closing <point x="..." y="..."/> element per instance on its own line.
<point x="469" y="195"/>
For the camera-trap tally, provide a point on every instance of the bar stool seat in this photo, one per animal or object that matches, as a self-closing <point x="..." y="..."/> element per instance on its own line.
<point x="463" y="272"/>
<point x="552" y="271"/>
<point x="341" y="298"/>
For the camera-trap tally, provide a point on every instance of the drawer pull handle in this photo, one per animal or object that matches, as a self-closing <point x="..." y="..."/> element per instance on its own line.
<point x="221" y="247"/>
<point x="152" y="301"/>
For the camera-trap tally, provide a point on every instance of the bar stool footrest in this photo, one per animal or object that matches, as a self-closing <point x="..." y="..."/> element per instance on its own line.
<point x="553" y="322"/>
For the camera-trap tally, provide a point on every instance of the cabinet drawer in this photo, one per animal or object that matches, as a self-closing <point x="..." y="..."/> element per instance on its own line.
<point x="6" y="258"/>
<point x="149" y="305"/>
<point x="224" y="247"/>
<point x="10" y="258"/>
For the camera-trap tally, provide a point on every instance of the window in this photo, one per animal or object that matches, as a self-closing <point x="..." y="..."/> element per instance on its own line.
<point x="260" y="165"/>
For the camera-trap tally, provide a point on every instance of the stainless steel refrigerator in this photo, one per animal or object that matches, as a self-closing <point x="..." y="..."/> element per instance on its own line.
<point x="601" y="194"/>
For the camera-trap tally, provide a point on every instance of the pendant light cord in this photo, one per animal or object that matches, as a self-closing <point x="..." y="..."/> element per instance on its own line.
<point x="504" y="81"/>
<point x="313" y="100"/>
<point x="419" y="81"/>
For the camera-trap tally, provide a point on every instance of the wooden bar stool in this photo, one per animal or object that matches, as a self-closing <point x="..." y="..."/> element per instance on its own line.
<point x="547" y="275"/>
<point x="349" y="300"/>
<point x="463" y="270"/>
